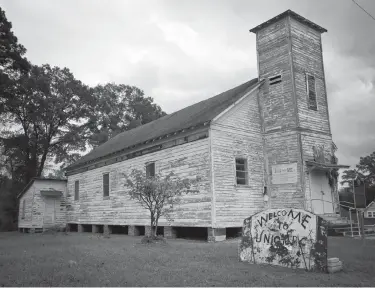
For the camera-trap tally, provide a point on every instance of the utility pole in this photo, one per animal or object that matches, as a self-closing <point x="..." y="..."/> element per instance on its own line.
<point x="355" y="205"/>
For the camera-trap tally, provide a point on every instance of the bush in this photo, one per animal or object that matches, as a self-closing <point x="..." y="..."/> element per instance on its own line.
<point x="54" y="229"/>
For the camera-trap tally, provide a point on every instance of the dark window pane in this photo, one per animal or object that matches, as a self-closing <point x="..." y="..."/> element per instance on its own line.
<point x="312" y="93"/>
<point x="150" y="170"/>
<point x="241" y="171"/>
<point x="76" y="190"/>
<point x="23" y="208"/>
<point x="240" y="161"/>
<point x="105" y="184"/>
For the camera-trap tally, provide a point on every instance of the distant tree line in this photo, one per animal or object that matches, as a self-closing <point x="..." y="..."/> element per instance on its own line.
<point x="363" y="180"/>
<point x="49" y="116"/>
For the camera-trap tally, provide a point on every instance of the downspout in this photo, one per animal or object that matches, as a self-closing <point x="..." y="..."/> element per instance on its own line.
<point x="266" y="180"/>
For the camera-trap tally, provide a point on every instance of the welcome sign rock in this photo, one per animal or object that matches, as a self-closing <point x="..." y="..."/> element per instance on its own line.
<point x="287" y="237"/>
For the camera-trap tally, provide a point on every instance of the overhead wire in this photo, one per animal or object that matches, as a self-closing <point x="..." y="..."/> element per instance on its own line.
<point x="364" y="10"/>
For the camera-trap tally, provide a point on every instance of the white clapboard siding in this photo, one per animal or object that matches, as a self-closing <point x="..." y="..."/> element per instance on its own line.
<point x="35" y="205"/>
<point x="237" y="133"/>
<point x="187" y="160"/>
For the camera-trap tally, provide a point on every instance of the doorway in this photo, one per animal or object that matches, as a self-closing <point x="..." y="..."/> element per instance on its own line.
<point x="321" y="193"/>
<point x="49" y="211"/>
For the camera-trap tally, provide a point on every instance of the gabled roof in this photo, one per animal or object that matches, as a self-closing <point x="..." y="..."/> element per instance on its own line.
<point x="38" y="178"/>
<point x="369" y="205"/>
<point x="191" y="116"/>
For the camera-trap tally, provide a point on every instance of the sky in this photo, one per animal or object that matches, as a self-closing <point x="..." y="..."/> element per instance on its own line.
<point x="182" y="52"/>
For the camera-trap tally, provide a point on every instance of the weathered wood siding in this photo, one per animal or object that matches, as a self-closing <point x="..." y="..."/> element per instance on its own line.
<point x="278" y="113"/>
<point x="273" y="56"/>
<point x="308" y="59"/>
<point x="187" y="160"/>
<point x="309" y="140"/>
<point x="292" y="49"/>
<point x="237" y="134"/>
<point x="35" y="205"/>
<point x="283" y="148"/>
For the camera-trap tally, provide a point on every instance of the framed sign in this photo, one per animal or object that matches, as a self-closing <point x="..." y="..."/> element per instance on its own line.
<point x="284" y="173"/>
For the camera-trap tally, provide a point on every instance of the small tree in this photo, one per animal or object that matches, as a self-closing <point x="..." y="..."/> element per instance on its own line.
<point x="158" y="194"/>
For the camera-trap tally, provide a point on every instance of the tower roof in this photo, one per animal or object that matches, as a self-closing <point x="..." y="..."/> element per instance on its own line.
<point x="292" y="14"/>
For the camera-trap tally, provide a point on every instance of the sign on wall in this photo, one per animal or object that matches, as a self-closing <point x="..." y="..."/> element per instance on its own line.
<point x="284" y="173"/>
<point x="287" y="237"/>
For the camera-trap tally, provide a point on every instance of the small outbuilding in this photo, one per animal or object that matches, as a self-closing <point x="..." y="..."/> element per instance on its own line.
<point x="369" y="214"/>
<point x="42" y="205"/>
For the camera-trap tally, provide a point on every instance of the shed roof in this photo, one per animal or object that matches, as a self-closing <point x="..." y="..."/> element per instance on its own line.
<point x="37" y="178"/>
<point x="193" y="115"/>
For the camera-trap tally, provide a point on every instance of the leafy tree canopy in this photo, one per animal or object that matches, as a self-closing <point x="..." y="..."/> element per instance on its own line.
<point x="44" y="117"/>
<point x="119" y="108"/>
<point x="364" y="172"/>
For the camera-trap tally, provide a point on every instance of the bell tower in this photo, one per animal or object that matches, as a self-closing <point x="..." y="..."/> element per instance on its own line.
<point x="293" y="105"/>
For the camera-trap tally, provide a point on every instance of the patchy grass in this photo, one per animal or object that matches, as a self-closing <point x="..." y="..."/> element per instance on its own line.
<point x="89" y="260"/>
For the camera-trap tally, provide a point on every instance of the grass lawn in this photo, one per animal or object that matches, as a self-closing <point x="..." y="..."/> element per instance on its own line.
<point x="46" y="260"/>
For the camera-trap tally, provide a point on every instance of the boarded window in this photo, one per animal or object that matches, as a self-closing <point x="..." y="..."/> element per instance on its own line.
<point x="241" y="171"/>
<point x="23" y="208"/>
<point x="106" y="184"/>
<point x="275" y="79"/>
<point x="76" y="190"/>
<point x="313" y="105"/>
<point x="150" y="169"/>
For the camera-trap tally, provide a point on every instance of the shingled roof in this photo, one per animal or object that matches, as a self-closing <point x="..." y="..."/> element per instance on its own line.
<point x="193" y="115"/>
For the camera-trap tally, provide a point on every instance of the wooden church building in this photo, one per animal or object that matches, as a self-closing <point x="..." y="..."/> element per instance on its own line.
<point x="266" y="143"/>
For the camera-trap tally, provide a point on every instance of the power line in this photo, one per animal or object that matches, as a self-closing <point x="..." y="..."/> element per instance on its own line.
<point x="364" y="10"/>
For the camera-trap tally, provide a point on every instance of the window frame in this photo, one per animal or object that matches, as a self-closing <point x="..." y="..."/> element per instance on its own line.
<point x="245" y="171"/>
<point x="154" y="170"/>
<point x="76" y="190"/>
<point x="307" y="75"/>
<point x="109" y="184"/>
<point x="23" y="209"/>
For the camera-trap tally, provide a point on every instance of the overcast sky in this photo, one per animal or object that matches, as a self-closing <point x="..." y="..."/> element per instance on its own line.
<point x="181" y="52"/>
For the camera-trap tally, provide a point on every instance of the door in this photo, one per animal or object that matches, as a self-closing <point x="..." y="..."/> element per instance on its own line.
<point x="321" y="193"/>
<point x="49" y="211"/>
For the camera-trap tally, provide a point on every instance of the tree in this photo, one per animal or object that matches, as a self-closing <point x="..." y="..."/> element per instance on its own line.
<point x="353" y="174"/>
<point x="367" y="167"/>
<point x="119" y="108"/>
<point x="45" y="117"/>
<point x="12" y="60"/>
<point x="158" y="194"/>
<point x="364" y="172"/>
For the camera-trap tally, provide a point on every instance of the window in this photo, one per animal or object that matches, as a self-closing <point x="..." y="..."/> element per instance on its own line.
<point x="241" y="171"/>
<point x="150" y="169"/>
<point x="313" y="105"/>
<point x="275" y="79"/>
<point x="23" y="208"/>
<point x="370" y="214"/>
<point x="106" y="184"/>
<point x="76" y="190"/>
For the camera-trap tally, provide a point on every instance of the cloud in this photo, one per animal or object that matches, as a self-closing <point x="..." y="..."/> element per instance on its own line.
<point x="181" y="52"/>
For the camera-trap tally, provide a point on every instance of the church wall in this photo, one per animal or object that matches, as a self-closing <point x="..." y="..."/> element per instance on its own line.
<point x="187" y="160"/>
<point x="237" y="133"/>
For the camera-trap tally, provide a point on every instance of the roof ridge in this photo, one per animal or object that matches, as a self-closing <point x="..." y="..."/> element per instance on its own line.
<point x="192" y="115"/>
